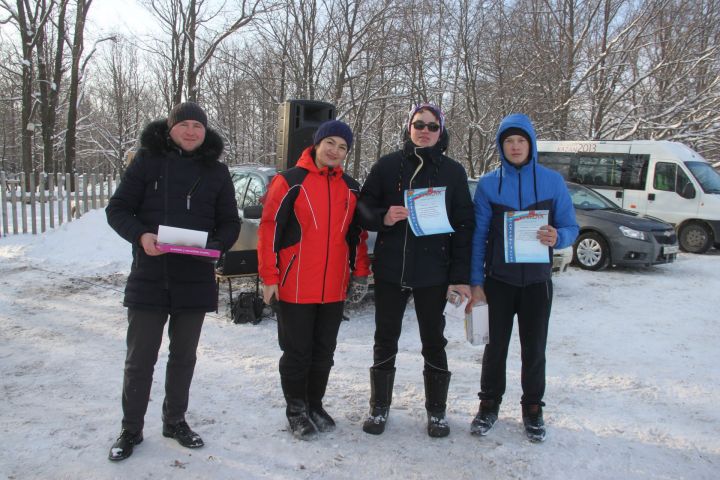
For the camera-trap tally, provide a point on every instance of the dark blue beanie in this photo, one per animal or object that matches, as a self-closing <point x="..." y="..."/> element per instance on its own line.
<point x="334" y="128"/>
<point x="186" y="111"/>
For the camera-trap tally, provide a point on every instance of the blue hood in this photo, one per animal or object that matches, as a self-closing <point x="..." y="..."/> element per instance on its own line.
<point x="523" y="122"/>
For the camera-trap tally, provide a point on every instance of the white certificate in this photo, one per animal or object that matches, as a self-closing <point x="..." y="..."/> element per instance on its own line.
<point x="521" y="242"/>
<point x="427" y="211"/>
<point x="182" y="236"/>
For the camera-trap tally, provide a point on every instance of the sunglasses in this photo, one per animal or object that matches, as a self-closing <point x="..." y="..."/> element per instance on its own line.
<point x="420" y="125"/>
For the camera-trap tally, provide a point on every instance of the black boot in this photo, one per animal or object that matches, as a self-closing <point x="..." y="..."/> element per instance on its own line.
<point x="436" y="390"/>
<point x="381" y="387"/>
<point x="301" y="426"/>
<point x="123" y="446"/>
<point x="297" y="409"/>
<point x="534" y="424"/>
<point x="486" y="417"/>
<point x="317" y="383"/>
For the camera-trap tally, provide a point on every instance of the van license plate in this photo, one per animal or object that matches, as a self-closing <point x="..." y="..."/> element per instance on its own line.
<point x="670" y="250"/>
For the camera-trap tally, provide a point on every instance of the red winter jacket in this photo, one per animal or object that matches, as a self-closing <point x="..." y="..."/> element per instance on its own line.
<point x="307" y="246"/>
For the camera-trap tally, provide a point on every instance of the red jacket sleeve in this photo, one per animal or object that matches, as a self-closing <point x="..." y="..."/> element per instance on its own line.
<point x="362" y="260"/>
<point x="269" y="227"/>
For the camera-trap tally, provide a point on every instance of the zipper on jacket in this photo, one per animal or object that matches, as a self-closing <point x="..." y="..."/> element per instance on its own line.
<point x="520" y="207"/>
<point x="166" y="166"/>
<point x="327" y="246"/>
<point x="402" y="272"/>
<point x="290" y="263"/>
<point x="192" y="190"/>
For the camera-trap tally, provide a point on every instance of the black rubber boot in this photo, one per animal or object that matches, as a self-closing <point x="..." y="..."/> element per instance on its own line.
<point x="295" y="392"/>
<point x="381" y="387"/>
<point x="123" y="446"/>
<point x="317" y="383"/>
<point x="436" y="390"/>
<point x="486" y="417"/>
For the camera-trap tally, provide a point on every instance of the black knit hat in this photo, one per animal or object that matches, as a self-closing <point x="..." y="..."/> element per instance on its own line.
<point x="334" y="128"/>
<point x="186" y="111"/>
<point x="514" y="131"/>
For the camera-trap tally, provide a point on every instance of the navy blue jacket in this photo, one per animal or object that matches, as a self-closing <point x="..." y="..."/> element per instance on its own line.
<point x="509" y="188"/>
<point x="166" y="186"/>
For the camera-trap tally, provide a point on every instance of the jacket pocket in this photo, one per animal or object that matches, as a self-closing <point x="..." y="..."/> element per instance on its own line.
<point x="287" y="270"/>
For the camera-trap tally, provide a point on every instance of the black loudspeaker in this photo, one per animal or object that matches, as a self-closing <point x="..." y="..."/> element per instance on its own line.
<point x="297" y="122"/>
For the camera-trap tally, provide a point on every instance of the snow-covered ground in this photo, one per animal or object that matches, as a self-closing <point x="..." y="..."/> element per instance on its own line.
<point x="633" y="382"/>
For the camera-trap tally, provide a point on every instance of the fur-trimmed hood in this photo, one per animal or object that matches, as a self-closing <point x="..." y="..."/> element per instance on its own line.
<point x="156" y="139"/>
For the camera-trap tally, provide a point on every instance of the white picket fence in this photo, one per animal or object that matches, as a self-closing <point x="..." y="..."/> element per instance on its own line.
<point x="52" y="201"/>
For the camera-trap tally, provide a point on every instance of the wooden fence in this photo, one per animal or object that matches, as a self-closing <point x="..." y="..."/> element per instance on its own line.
<point x="50" y="200"/>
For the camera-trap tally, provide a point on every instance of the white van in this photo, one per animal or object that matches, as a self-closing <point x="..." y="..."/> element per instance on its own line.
<point x="662" y="179"/>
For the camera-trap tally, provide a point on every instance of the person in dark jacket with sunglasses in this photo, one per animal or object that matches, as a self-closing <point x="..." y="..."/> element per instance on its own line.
<point x="176" y="179"/>
<point x="426" y="266"/>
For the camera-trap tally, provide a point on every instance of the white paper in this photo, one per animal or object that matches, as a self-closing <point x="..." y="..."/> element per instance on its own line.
<point x="182" y="236"/>
<point x="477" y="328"/>
<point x="521" y="242"/>
<point x="427" y="211"/>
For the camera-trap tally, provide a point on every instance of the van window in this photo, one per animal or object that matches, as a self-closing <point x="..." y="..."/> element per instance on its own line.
<point x="708" y="178"/>
<point x="600" y="169"/>
<point x="634" y="171"/>
<point x="559" y="161"/>
<point x="668" y="177"/>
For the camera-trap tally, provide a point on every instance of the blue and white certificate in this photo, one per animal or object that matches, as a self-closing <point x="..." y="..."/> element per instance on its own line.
<point x="427" y="213"/>
<point x="521" y="242"/>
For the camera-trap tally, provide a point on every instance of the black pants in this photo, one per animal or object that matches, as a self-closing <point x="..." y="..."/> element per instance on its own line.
<point x="307" y="334"/>
<point x="390" y="303"/>
<point x="532" y="305"/>
<point x="144" y="336"/>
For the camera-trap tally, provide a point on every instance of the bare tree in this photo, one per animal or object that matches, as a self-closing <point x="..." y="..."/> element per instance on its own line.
<point x="28" y="19"/>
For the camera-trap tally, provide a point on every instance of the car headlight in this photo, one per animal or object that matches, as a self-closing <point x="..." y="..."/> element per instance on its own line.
<point x="631" y="233"/>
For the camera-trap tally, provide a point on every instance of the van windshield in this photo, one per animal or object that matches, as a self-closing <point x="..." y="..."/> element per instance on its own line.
<point x="706" y="176"/>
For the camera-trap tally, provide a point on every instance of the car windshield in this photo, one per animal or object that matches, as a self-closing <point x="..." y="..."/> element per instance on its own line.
<point x="708" y="178"/>
<point x="585" y="199"/>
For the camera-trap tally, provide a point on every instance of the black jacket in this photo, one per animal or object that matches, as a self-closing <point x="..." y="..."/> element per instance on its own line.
<point x="167" y="186"/>
<point x="399" y="256"/>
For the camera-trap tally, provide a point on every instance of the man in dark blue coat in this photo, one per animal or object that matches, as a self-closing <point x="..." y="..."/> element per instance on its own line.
<point x="525" y="289"/>
<point x="175" y="179"/>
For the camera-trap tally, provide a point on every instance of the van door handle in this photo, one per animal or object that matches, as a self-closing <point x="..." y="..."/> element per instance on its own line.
<point x="618" y="194"/>
<point x="651" y="196"/>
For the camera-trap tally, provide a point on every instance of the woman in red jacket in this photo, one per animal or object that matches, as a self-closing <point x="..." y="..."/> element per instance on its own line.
<point x="308" y="247"/>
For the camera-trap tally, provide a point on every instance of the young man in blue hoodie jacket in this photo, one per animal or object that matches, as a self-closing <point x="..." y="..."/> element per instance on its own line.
<point x="524" y="289"/>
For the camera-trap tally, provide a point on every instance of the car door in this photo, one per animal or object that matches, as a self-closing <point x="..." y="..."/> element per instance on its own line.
<point x="255" y="189"/>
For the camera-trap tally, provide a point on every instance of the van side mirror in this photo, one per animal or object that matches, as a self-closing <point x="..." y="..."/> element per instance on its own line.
<point x="688" y="191"/>
<point x="253" y="212"/>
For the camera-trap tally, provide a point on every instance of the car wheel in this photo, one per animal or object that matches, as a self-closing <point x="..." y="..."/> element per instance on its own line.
<point x="591" y="252"/>
<point x="695" y="237"/>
